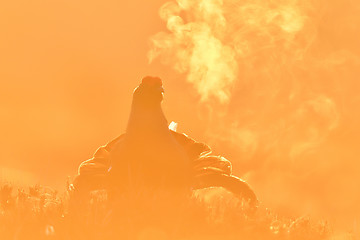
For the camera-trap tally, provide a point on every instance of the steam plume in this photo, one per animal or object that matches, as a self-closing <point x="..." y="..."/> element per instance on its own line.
<point x="219" y="42"/>
<point x="281" y="77"/>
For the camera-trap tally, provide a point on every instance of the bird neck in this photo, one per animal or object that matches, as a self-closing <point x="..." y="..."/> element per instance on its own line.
<point x="146" y="120"/>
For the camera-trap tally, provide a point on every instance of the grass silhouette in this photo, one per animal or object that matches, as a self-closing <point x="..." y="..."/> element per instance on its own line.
<point x="43" y="213"/>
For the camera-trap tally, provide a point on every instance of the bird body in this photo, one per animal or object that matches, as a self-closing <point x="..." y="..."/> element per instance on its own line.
<point x="151" y="155"/>
<point x="149" y="152"/>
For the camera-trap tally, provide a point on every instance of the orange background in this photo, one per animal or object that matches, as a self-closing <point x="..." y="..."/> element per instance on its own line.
<point x="67" y="71"/>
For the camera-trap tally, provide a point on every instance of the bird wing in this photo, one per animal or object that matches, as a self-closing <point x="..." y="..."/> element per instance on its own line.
<point x="200" y="154"/>
<point x="100" y="162"/>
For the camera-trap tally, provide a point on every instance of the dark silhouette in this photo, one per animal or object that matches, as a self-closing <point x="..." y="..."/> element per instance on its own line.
<point x="151" y="155"/>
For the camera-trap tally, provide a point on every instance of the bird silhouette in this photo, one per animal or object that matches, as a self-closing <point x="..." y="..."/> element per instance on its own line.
<point x="151" y="155"/>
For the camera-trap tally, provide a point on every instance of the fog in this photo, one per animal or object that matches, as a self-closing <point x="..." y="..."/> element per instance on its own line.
<point x="272" y="86"/>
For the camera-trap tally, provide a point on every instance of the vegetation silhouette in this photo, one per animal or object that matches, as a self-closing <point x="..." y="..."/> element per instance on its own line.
<point x="37" y="212"/>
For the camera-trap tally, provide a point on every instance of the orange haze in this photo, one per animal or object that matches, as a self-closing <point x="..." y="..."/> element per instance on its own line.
<point x="271" y="85"/>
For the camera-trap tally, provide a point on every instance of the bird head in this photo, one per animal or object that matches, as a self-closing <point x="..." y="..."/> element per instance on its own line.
<point x="149" y="93"/>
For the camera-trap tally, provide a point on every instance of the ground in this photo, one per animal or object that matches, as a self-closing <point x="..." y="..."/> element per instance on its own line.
<point x="43" y="213"/>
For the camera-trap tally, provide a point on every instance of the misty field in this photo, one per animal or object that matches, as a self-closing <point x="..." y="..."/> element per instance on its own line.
<point x="42" y="213"/>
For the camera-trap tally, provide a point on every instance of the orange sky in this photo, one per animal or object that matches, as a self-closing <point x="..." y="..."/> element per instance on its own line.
<point x="68" y="68"/>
